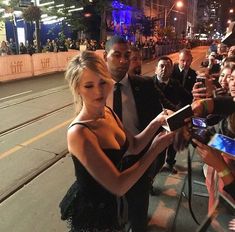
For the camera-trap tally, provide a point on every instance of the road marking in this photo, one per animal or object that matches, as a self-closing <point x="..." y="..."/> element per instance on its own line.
<point x="39" y="136"/>
<point x="14" y="95"/>
<point x="196" y="60"/>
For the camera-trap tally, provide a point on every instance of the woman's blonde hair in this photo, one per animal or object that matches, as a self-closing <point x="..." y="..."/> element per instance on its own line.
<point x="86" y="60"/>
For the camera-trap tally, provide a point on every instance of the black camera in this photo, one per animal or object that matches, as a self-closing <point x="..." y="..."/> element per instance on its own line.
<point x="200" y="131"/>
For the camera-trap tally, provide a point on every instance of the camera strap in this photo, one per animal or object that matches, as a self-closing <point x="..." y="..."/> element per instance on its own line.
<point x="190" y="187"/>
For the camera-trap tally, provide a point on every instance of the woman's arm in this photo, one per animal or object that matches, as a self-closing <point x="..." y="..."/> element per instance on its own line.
<point x="215" y="159"/>
<point x="138" y="142"/>
<point x="218" y="105"/>
<point x="83" y="144"/>
<point x="203" y="107"/>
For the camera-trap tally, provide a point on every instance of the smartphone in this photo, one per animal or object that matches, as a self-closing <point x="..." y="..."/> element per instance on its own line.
<point x="202" y="80"/>
<point x="224" y="144"/>
<point x="216" y="83"/>
<point x="201" y="134"/>
<point x="199" y="122"/>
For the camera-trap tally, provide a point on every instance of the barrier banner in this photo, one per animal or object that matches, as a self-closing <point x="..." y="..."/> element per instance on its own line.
<point x="64" y="58"/>
<point x="23" y="66"/>
<point x="15" y="66"/>
<point x="44" y="63"/>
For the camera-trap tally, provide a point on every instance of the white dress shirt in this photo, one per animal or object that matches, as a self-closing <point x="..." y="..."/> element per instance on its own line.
<point x="129" y="113"/>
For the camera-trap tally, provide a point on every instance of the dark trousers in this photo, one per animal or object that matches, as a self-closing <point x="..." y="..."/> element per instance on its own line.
<point x="157" y="165"/>
<point x="170" y="155"/>
<point x="138" y="203"/>
<point x="138" y="199"/>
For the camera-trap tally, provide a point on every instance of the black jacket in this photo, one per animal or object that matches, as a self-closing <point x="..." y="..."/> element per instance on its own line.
<point x="174" y="92"/>
<point x="189" y="80"/>
<point x="147" y="103"/>
<point x="224" y="105"/>
<point x="148" y="100"/>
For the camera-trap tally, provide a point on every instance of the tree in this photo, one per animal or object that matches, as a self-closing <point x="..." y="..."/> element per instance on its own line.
<point x="9" y="8"/>
<point x="166" y="32"/>
<point x="33" y="14"/>
<point x="78" y="19"/>
<point x="63" y="13"/>
<point x="102" y="7"/>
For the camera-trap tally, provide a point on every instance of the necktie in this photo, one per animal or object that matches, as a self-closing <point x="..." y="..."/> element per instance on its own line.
<point x="182" y="77"/>
<point x="162" y="85"/>
<point x="117" y="100"/>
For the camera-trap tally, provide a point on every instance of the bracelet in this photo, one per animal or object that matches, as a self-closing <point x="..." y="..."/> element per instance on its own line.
<point x="205" y="107"/>
<point x="224" y="173"/>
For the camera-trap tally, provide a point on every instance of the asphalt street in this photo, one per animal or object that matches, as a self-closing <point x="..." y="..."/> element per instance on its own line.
<point x="36" y="171"/>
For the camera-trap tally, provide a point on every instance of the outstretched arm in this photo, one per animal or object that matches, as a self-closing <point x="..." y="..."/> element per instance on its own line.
<point x="83" y="144"/>
<point x="138" y="142"/>
<point x="215" y="159"/>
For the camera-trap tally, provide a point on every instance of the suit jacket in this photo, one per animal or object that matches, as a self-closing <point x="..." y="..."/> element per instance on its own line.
<point x="224" y="105"/>
<point x="188" y="81"/>
<point x="146" y="99"/>
<point x="174" y="92"/>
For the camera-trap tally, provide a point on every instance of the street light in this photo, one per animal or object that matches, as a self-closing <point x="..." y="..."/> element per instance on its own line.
<point x="178" y="4"/>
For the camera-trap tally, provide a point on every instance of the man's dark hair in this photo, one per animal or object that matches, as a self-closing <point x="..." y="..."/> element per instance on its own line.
<point x="114" y="40"/>
<point x="164" y="58"/>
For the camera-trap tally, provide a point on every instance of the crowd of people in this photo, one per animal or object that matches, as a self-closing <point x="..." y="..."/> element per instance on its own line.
<point x="149" y="45"/>
<point x="117" y="142"/>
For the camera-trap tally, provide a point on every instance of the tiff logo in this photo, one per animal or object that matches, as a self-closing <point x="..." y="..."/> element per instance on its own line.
<point x="16" y="67"/>
<point x="45" y="63"/>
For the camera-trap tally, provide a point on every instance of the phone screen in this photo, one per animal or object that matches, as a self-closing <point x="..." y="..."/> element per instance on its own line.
<point x="201" y="134"/>
<point x="223" y="143"/>
<point x="202" y="80"/>
<point x="199" y="122"/>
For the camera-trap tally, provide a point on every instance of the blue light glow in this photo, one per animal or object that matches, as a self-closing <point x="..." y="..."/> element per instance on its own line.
<point x="122" y="18"/>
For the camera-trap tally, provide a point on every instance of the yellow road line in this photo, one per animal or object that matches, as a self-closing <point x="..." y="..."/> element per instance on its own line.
<point x="47" y="132"/>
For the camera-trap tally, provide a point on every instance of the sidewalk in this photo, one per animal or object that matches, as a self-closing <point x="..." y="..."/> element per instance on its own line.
<point x="169" y="210"/>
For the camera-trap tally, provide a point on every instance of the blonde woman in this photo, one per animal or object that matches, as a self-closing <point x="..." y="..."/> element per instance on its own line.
<point x="97" y="142"/>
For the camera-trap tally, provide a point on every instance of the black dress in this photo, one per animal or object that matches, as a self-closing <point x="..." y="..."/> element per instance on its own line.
<point x="88" y="206"/>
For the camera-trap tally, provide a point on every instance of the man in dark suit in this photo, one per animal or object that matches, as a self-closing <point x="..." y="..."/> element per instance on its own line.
<point x="135" y="66"/>
<point x="139" y="106"/>
<point x="175" y="93"/>
<point x="170" y="87"/>
<point x="182" y="71"/>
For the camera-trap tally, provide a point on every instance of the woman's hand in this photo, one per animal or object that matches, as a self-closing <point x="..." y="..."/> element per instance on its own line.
<point x="220" y="92"/>
<point x="161" y="118"/>
<point x="162" y="140"/>
<point x="182" y="137"/>
<point x="203" y="107"/>
<point x="198" y="92"/>
<point x="231" y="225"/>
<point x="210" y="156"/>
<point x="203" y="90"/>
<point x="197" y="108"/>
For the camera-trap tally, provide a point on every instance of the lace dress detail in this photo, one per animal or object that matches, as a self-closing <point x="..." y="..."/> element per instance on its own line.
<point x="88" y="206"/>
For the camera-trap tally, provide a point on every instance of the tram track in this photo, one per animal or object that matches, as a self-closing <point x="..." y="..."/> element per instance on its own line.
<point x="33" y="120"/>
<point x="4" y="195"/>
<point x="29" y="176"/>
